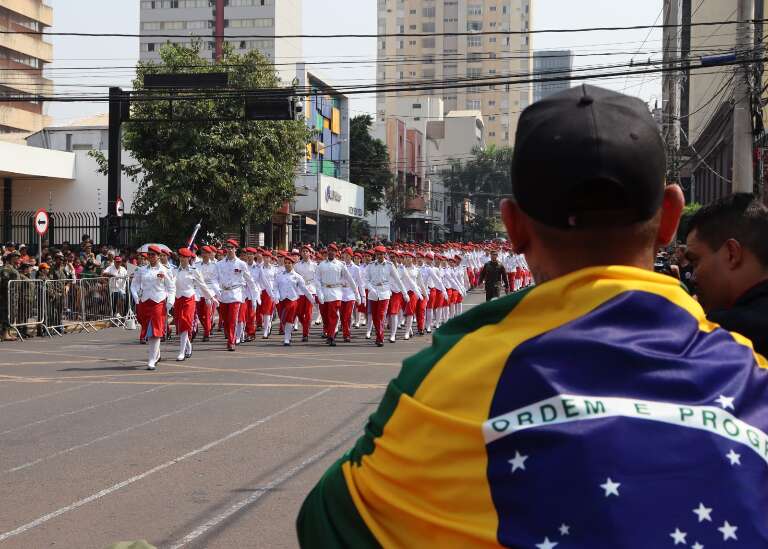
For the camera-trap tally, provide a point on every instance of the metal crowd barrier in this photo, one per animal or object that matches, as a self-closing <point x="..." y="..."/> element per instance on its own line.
<point x="59" y="306"/>
<point x="26" y="306"/>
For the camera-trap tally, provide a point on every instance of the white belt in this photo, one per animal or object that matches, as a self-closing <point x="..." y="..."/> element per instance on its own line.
<point x="333" y="285"/>
<point x="227" y="288"/>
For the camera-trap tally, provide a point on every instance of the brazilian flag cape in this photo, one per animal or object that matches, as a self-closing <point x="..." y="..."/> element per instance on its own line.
<point x="600" y="409"/>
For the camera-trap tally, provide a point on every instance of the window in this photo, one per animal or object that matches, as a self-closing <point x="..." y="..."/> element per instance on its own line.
<point x="473" y="104"/>
<point x="475" y="9"/>
<point x="491" y="103"/>
<point x="492" y="8"/>
<point x="427" y="27"/>
<point x="428" y="12"/>
<point x="504" y="10"/>
<point x="491" y="118"/>
<point x="412" y="12"/>
<point x="474" y="72"/>
<point x="491" y="134"/>
<point x="416" y="106"/>
<point x="400" y="44"/>
<point x="411" y="42"/>
<point x="474" y="41"/>
<point x="261" y="23"/>
<point x="68" y="146"/>
<point x="474" y="25"/>
<point x="412" y="27"/>
<point x="427" y="42"/>
<point x="492" y="39"/>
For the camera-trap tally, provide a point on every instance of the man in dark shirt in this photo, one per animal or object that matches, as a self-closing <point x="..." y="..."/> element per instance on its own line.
<point x="494" y="275"/>
<point x="728" y="247"/>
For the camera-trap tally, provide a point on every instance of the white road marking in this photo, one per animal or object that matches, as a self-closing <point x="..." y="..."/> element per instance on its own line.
<point x="120" y="485"/>
<point x="73" y="412"/>
<point x="44" y="395"/>
<point x="115" y="433"/>
<point x="260" y="492"/>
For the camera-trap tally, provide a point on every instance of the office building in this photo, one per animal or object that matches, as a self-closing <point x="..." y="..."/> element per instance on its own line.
<point x="216" y="22"/>
<point x="440" y="57"/>
<point x="22" y="60"/>
<point x="551" y="64"/>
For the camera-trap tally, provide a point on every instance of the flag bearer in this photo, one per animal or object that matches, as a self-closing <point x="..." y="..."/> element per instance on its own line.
<point x="190" y="286"/>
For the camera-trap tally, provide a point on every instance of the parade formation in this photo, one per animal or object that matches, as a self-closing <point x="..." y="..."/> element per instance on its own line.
<point x="402" y="290"/>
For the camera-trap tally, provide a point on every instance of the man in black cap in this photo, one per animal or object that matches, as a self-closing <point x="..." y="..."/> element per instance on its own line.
<point x="594" y="409"/>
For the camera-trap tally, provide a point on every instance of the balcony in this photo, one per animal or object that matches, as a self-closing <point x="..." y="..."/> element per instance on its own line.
<point x="416" y="204"/>
<point x="34" y="9"/>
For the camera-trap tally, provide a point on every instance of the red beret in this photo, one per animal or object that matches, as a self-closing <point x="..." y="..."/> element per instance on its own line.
<point x="232" y="242"/>
<point x="348" y="251"/>
<point x="290" y="259"/>
<point x="251" y="250"/>
<point x="155" y="249"/>
<point x="380" y="250"/>
<point x="333" y="247"/>
<point x="186" y="252"/>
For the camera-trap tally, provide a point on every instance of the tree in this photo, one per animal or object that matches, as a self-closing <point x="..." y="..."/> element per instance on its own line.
<point x="685" y="219"/>
<point x="484" y="179"/>
<point x="369" y="162"/>
<point x="228" y="173"/>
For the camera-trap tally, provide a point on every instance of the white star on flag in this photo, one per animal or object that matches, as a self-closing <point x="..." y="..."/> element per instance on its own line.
<point x="725" y="402"/>
<point x="546" y="544"/>
<point x="733" y="457"/>
<point x="518" y="462"/>
<point x="703" y="513"/>
<point x="610" y="487"/>
<point x="565" y="530"/>
<point x="697" y="545"/>
<point x="728" y="530"/>
<point x="678" y="537"/>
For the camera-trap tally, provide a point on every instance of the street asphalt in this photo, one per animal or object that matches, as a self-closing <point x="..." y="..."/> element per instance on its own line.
<point x="217" y="451"/>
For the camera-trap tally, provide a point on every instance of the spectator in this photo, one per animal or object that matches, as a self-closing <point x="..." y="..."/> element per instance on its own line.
<point x="489" y="437"/>
<point x="685" y="267"/>
<point x="728" y="249"/>
<point x="118" y="276"/>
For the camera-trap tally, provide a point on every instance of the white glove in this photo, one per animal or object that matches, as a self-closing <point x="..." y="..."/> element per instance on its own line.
<point x="405" y="298"/>
<point x="445" y="296"/>
<point x="168" y="306"/>
<point x="255" y="305"/>
<point x="419" y="296"/>
<point x="215" y="303"/>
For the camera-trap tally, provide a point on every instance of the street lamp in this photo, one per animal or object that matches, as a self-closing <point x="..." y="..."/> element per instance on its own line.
<point x="317" y="186"/>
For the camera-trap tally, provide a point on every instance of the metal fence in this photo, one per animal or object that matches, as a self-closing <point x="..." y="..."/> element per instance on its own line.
<point x="53" y="307"/>
<point x="18" y="226"/>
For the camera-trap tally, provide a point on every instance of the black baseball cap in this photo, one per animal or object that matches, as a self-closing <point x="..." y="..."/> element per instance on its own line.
<point x="588" y="157"/>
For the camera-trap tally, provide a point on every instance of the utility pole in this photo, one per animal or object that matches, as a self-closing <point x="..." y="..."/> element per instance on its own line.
<point x="671" y="86"/>
<point x="743" y="178"/>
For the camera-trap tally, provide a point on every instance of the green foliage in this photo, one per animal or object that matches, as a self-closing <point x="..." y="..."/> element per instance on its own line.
<point x="369" y="162"/>
<point x="688" y="211"/>
<point x="485" y="176"/>
<point x="481" y="228"/>
<point x="227" y="173"/>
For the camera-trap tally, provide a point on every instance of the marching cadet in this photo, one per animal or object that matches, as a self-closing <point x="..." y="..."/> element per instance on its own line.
<point x="407" y="299"/>
<point x="308" y="271"/>
<point x="361" y="309"/>
<point x="247" y="328"/>
<point x="437" y="291"/>
<point x="410" y="275"/>
<point x="289" y="288"/>
<point x="332" y="275"/>
<point x="190" y="287"/>
<point x="153" y="292"/>
<point x="234" y="278"/>
<point x="380" y="278"/>
<point x="349" y="298"/>
<point x="205" y="307"/>
<point x="267" y="282"/>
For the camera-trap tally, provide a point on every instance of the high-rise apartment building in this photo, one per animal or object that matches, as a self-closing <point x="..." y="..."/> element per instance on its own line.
<point x="551" y="64"/>
<point x="23" y="58"/>
<point x="244" y="24"/>
<point x="438" y="56"/>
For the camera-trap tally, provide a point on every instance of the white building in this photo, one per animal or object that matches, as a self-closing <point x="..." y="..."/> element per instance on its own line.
<point x="215" y="22"/>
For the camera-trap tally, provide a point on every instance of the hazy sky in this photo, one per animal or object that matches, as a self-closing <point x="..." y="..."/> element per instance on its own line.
<point x="345" y="17"/>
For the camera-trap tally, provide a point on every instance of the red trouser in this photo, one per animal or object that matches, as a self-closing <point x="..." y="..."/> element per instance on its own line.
<point x="305" y="314"/>
<point x="229" y="313"/>
<point x="421" y="314"/>
<point x="346" y="317"/>
<point x="184" y="314"/>
<point x="378" y="310"/>
<point x="250" y="319"/>
<point x="330" y="317"/>
<point x="205" y="314"/>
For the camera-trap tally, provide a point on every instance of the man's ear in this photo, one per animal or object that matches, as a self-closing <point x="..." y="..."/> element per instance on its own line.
<point x="517" y="229"/>
<point x="671" y="211"/>
<point x="735" y="253"/>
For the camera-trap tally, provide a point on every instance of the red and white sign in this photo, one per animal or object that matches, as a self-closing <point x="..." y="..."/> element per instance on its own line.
<point x="119" y="207"/>
<point x="42" y="222"/>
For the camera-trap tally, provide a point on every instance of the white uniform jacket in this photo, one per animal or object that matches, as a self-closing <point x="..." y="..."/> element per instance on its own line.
<point x="234" y="279"/>
<point x="308" y="271"/>
<point x="291" y="286"/>
<point x="153" y="283"/>
<point x="191" y="283"/>
<point x="331" y="277"/>
<point x="381" y="279"/>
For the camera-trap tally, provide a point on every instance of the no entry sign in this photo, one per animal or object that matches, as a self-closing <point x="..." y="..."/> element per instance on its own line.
<point x="42" y="222"/>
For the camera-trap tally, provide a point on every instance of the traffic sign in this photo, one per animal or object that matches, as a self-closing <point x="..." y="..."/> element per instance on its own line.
<point x="42" y="222"/>
<point x="119" y="207"/>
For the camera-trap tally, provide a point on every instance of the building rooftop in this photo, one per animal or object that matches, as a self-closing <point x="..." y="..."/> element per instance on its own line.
<point x="464" y="114"/>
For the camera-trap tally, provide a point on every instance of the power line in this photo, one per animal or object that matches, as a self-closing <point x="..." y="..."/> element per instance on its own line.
<point x="385" y="35"/>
